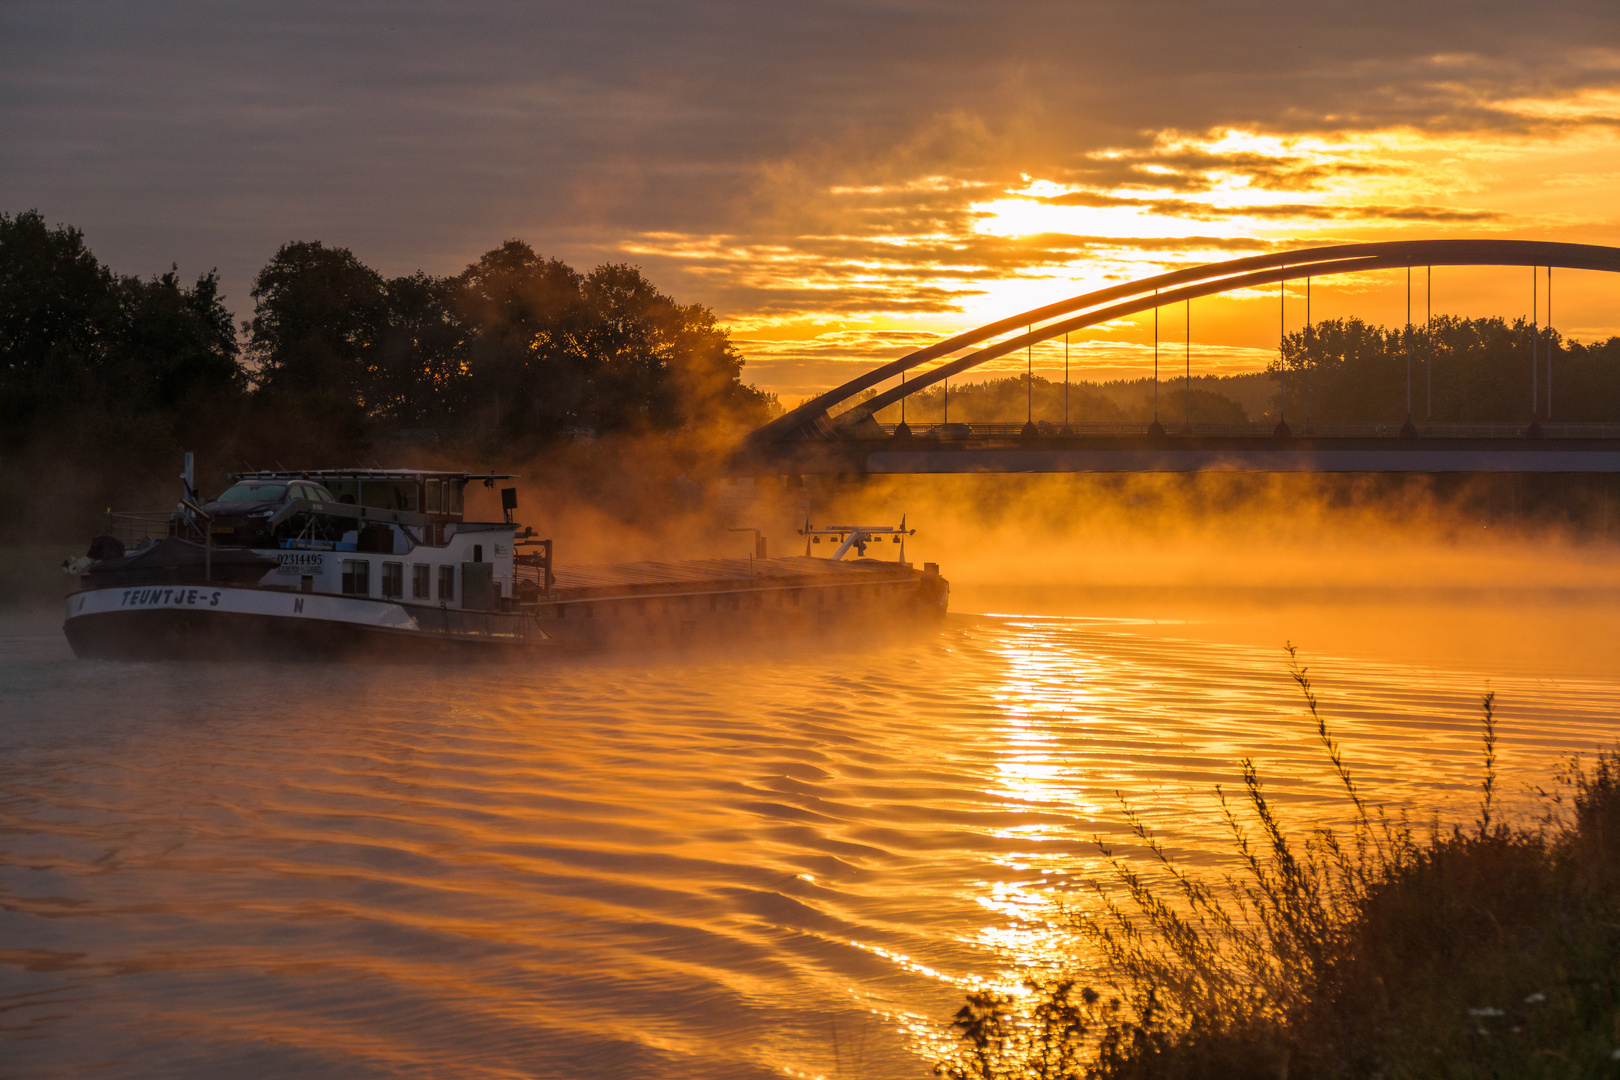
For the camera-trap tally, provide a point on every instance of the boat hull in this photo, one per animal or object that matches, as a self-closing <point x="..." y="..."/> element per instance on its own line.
<point x="221" y="622"/>
<point x="631" y="606"/>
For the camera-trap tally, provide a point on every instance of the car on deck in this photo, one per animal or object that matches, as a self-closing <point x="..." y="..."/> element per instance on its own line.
<point x="242" y="514"/>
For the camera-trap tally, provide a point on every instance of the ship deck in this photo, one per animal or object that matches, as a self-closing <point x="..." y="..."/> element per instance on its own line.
<point x="713" y="575"/>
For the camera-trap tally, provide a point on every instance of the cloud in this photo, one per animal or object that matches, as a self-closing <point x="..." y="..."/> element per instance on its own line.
<point x="774" y="159"/>
<point x="1196" y="211"/>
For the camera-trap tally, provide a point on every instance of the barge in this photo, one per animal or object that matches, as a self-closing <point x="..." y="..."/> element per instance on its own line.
<point x="338" y="563"/>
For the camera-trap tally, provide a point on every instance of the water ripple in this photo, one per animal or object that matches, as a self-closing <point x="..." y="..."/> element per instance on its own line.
<point x="722" y="866"/>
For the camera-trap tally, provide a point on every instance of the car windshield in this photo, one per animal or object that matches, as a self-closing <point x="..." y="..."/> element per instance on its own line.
<point x="251" y="492"/>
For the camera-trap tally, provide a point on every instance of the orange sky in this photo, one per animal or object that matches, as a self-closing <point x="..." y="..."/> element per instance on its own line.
<point x="1187" y="198"/>
<point x="840" y="180"/>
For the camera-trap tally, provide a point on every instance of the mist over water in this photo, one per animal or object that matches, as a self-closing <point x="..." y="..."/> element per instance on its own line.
<point x="774" y="862"/>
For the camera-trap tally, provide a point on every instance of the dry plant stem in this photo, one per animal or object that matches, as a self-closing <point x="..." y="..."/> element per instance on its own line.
<point x="1481" y="952"/>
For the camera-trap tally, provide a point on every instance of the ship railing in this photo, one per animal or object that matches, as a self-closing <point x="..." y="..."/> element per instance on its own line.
<point x="137" y="528"/>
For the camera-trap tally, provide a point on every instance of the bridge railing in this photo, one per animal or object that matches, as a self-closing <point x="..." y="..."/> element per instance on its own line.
<point x="1259" y="429"/>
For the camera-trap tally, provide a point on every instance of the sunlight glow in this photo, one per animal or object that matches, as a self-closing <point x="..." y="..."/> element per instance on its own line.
<point x="896" y="264"/>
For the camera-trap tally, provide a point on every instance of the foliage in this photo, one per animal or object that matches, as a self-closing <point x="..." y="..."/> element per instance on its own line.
<point x="1008" y="400"/>
<point x="1486" y="951"/>
<point x="1479" y="371"/>
<point x="517" y="345"/>
<point x="83" y="349"/>
<point x="105" y="379"/>
<point x="319" y="318"/>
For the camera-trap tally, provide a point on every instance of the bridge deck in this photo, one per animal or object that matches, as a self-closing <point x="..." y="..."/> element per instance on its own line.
<point x="1191" y="453"/>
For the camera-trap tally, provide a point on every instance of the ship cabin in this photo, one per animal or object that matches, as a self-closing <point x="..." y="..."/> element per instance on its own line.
<point x="386" y="534"/>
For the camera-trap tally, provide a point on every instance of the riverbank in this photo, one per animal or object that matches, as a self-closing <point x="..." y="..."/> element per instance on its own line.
<point x="1377" y="948"/>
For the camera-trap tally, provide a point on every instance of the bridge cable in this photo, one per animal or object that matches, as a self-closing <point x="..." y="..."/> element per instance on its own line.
<point x="1406" y="338"/>
<point x="1029" y="380"/>
<point x="1428" y="336"/>
<point x="1550" y="344"/>
<point x="1282" y="359"/>
<point x="1535" y="359"/>
<point x="1309" y="359"/>
<point x="1066" y="430"/>
<point x="1450" y="252"/>
<point x="1189" y="365"/>
<point x="1155" y="359"/>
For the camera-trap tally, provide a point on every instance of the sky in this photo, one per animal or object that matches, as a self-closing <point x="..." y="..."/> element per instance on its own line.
<point x="839" y="181"/>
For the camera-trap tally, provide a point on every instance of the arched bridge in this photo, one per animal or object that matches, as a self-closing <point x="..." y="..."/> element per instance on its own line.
<point x="836" y="432"/>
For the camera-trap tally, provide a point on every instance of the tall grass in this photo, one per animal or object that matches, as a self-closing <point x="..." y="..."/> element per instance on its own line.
<point x="1486" y="950"/>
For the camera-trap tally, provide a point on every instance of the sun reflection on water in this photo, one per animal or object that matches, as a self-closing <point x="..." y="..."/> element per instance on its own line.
<point x="700" y="867"/>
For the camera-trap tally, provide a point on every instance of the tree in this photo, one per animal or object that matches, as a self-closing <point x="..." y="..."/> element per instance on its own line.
<point x="516" y="345"/>
<point x="418" y="375"/>
<point x="56" y="301"/>
<point x="660" y="363"/>
<point x="319" y="320"/>
<point x="172" y="345"/>
<point x="526" y="358"/>
<point x="1481" y="372"/>
<point x="550" y="349"/>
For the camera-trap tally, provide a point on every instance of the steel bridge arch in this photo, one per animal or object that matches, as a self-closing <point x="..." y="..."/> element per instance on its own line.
<point x="811" y="421"/>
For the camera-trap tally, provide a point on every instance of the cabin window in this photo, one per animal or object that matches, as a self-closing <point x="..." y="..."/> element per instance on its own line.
<point x="388" y="494"/>
<point x="393" y="579"/>
<point x="478" y="553"/>
<point x="447" y="584"/>
<point x="356" y="577"/>
<point x="421" y="577"/>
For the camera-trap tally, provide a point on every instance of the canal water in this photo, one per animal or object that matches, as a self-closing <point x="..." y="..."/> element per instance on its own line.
<point x="742" y="864"/>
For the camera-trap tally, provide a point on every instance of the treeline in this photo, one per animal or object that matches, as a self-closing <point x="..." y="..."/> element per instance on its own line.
<point x="1010" y="400"/>
<point x="515" y="349"/>
<point x="1479" y="370"/>
<point x="515" y="344"/>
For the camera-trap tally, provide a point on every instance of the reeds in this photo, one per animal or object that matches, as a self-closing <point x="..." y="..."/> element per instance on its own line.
<point x="1481" y="951"/>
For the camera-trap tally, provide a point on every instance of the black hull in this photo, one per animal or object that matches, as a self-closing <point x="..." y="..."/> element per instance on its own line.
<point x="215" y="635"/>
